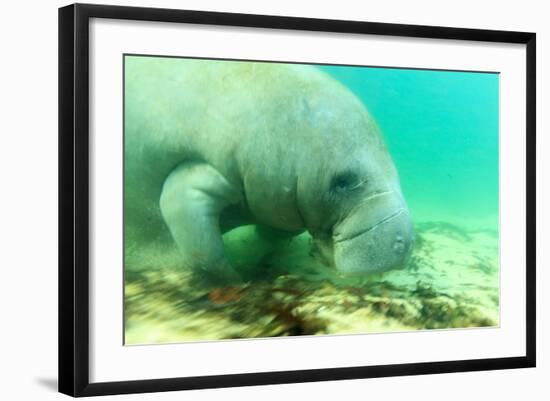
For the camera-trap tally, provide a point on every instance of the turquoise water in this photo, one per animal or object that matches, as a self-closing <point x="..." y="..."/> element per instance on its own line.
<point x="442" y="131"/>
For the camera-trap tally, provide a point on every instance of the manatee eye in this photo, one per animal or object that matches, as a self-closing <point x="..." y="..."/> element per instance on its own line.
<point x="344" y="182"/>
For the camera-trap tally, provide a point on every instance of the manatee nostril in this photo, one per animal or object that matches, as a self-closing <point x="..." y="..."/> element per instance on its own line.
<point x="399" y="244"/>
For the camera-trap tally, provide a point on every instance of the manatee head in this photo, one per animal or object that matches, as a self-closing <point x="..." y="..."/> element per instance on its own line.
<point x="359" y="219"/>
<point x="372" y="229"/>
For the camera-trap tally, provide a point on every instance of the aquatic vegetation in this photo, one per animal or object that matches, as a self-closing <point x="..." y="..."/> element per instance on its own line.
<point x="450" y="282"/>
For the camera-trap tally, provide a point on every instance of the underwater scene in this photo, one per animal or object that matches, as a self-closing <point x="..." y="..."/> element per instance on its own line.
<point x="268" y="199"/>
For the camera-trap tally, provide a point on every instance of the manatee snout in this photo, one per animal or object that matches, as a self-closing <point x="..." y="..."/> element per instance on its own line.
<point x="376" y="237"/>
<point x="385" y="246"/>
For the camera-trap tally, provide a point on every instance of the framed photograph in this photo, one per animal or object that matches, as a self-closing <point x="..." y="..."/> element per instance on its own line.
<point x="251" y="199"/>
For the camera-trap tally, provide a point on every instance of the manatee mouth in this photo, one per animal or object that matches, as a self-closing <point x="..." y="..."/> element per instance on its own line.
<point x="386" y="219"/>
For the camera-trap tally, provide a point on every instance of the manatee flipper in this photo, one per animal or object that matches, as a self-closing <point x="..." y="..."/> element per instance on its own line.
<point x="192" y="198"/>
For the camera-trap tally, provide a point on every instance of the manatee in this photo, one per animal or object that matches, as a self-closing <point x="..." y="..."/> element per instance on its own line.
<point x="211" y="145"/>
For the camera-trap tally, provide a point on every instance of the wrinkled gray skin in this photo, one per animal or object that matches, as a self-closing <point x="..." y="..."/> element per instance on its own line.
<point x="212" y="145"/>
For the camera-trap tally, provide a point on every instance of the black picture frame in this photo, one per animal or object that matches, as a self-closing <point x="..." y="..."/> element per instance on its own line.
<point x="74" y="198"/>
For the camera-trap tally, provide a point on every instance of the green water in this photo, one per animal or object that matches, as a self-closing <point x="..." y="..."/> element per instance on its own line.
<point x="442" y="132"/>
